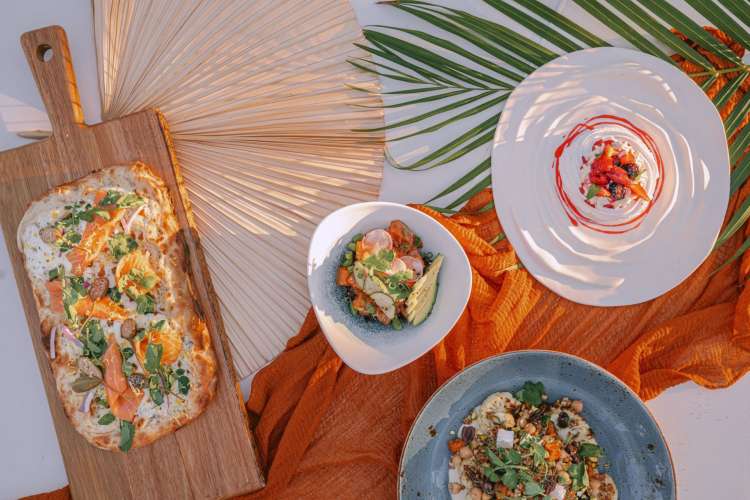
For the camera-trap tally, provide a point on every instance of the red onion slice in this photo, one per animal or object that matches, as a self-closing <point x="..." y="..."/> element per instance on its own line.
<point x="86" y="404"/>
<point x="52" y="337"/>
<point x="69" y="335"/>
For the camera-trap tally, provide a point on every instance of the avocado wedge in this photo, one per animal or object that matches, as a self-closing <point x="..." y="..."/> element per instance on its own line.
<point x="422" y="297"/>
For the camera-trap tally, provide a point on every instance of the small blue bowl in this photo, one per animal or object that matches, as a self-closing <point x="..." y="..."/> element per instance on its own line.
<point x="637" y="456"/>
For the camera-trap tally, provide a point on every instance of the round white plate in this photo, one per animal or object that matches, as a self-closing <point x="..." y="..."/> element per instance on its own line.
<point x="600" y="256"/>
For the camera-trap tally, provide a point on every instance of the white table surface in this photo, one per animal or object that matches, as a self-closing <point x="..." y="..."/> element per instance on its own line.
<point x="707" y="430"/>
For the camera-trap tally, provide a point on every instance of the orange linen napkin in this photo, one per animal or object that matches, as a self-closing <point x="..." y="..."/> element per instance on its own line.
<point x="326" y="431"/>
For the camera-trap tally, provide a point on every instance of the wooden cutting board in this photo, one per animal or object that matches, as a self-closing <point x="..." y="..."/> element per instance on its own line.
<point x="213" y="457"/>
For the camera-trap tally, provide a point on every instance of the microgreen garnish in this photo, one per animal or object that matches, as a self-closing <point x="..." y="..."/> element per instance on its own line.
<point x="127" y="431"/>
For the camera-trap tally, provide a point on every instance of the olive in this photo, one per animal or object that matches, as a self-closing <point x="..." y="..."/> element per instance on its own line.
<point x="98" y="288"/>
<point x="49" y="234"/>
<point x="467" y="433"/>
<point x="137" y="381"/>
<point x="128" y="328"/>
<point x="563" y="420"/>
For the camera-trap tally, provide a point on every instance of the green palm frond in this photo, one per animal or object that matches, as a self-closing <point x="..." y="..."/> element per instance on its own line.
<point x="468" y="83"/>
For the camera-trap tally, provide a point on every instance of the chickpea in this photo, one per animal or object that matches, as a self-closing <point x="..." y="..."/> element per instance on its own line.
<point x="530" y="429"/>
<point x="455" y="462"/>
<point x="521" y="422"/>
<point x="455" y="488"/>
<point x="476" y="493"/>
<point x="577" y="406"/>
<point x="465" y="452"/>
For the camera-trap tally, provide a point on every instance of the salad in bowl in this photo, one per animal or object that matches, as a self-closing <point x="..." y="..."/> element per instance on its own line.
<point x="388" y="277"/>
<point x="377" y="273"/>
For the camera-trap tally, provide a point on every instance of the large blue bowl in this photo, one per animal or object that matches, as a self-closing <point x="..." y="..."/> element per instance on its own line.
<point x="638" y="457"/>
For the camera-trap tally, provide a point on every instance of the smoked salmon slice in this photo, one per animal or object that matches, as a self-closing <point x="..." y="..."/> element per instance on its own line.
<point x="55" y="296"/>
<point x="92" y="241"/>
<point x="123" y="401"/>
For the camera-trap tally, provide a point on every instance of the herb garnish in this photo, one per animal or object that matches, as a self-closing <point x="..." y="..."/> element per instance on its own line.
<point x="127" y="431"/>
<point x="589" y="450"/>
<point x="380" y="261"/>
<point x="531" y="393"/>
<point x="106" y="419"/>
<point x="145" y="304"/>
<point x="578" y="476"/>
<point x="94" y="343"/>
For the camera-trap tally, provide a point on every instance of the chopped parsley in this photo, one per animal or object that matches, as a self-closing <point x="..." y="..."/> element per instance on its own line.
<point x="120" y="245"/>
<point x="380" y="261"/>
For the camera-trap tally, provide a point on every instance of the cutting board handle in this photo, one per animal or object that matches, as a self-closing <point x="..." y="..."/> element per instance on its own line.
<point x="48" y="55"/>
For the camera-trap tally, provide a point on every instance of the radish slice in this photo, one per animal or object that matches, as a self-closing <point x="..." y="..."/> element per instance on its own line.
<point x="376" y="240"/>
<point x="69" y="335"/>
<point x="415" y="264"/>
<point x="86" y="404"/>
<point x="52" y="337"/>
<point x="398" y="266"/>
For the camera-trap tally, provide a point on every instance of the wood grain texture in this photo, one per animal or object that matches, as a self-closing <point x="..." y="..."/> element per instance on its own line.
<point x="213" y="457"/>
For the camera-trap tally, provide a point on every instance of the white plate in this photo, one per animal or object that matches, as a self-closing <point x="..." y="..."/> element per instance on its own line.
<point x="367" y="346"/>
<point x="648" y="256"/>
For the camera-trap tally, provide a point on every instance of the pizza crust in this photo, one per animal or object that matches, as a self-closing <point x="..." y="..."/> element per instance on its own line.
<point x="158" y="225"/>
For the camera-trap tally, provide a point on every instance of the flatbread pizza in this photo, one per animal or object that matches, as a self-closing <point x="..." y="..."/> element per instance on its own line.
<point x="131" y="356"/>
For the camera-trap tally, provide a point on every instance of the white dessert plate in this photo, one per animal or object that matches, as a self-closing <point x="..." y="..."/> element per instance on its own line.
<point x="593" y="254"/>
<point x="367" y="346"/>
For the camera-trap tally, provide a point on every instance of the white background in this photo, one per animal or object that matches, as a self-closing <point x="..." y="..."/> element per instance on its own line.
<point x="707" y="430"/>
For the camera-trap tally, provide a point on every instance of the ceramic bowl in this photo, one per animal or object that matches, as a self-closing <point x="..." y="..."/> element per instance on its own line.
<point x="367" y="346"/>
<point x="635" y="453"/>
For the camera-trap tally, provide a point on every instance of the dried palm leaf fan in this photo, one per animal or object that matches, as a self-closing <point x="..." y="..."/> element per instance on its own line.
<point x="256" y="99"/>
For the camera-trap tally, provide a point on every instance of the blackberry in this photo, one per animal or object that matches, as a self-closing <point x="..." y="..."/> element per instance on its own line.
<point x="631" y="169"/>
<point x="617" y="191"/>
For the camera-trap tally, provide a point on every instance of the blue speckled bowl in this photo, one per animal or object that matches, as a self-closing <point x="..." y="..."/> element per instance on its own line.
<point x="638" y="457"/>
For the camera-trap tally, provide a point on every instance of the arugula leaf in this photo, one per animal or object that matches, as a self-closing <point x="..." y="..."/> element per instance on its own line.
<point x="531" y="393"/>
<point x="106" y="419"/>
<point x="510" y="478"/>
<point x="490" y="474"/>
<point x="494" y="459"/>
<point x="110" y="198"/>
<point x="94" y="343"/>
<point x="593" y="191"/>
<point x="156" y="396"/>
<point x="145" y="304"/>
<point x="58" y="272"/>
<point x="578" y="476"/>
<point x="120" y="245"/>
<point x="153" y="357"/>
<point x="127" y="431"/>
<point x="114" y="294"/>
<point x="589" y="450"/>
<point x="183" y="384"/>
<point x="532" y="488"/>
<point x="513" y="457"/>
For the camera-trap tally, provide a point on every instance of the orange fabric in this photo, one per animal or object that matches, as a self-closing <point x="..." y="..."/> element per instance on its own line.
<point x="324" y="430"/>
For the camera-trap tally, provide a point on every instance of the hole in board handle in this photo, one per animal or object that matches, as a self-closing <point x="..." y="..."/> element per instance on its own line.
<point x="44" y="53"/>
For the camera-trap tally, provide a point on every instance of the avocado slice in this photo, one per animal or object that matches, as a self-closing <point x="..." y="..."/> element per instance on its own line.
<point x="422" y="297"/>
